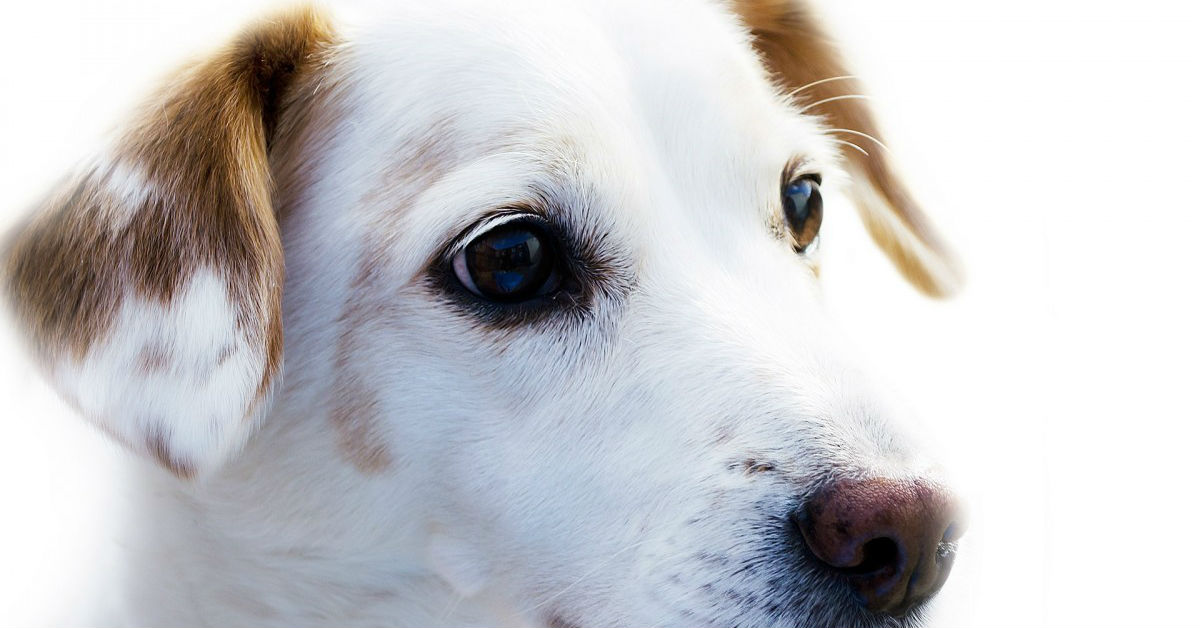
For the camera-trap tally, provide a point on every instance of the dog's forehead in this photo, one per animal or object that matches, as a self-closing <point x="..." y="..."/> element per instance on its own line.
<point x="644" y="121"/>
<point x="675" y="82"/>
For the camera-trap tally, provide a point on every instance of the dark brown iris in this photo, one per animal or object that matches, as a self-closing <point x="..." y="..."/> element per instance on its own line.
<point x="512" y="262"/>
<point x="802" y="208"/>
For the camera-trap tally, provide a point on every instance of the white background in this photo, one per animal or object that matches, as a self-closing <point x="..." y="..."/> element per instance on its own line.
<point x="1055" y="142"/>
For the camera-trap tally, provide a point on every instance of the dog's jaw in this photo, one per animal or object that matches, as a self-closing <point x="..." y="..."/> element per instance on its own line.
<point x="281" y="550"/>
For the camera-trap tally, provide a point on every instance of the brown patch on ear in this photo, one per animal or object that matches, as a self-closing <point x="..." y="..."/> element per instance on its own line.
<point x="59" y="270"/>
<point x="201" y="148"/>
<point x="159" y="447"/>
<point x="795" y="48"/>
<point x="154" y="358"/>
<point x="185" y="188"/>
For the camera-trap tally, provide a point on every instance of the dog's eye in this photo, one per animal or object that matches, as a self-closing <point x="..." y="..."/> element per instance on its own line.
<point x="802" y="208"/>
<point x="513" y="262"/>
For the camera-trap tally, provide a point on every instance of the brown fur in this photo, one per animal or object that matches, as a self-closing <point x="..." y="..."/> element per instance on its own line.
<point x="356" y="415"/>
<point x="156" y="444"/>
<point x="313" y="110"/>
<point x="358" y="420"/>
<point x="798" y="52"/>
<point x="201" y="144"/>
<point x="154" y="358"/>
<point x="212" y="143"/>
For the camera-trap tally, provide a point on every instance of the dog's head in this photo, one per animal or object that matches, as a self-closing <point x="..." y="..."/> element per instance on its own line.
<point x="551" y="276"/>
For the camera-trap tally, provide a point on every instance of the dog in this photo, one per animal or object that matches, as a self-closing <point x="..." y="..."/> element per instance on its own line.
<point x="545" y="276"/>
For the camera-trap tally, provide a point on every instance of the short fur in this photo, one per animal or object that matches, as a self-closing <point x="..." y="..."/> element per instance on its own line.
<point x="627" y="455"/>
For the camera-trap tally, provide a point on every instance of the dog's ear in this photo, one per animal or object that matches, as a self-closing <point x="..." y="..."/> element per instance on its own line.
<point x="150" y="283"/>
<point x="798" y="52"/>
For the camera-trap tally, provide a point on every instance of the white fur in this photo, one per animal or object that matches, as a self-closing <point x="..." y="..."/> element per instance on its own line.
<point x="129" y="187"/>
<point x="196" y="401"/>
<point x="588" y="472"/>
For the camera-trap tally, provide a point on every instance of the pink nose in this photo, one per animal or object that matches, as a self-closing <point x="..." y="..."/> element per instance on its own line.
<point x="891" y="540"/>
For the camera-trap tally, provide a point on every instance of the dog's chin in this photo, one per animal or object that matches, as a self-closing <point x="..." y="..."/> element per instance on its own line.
<point x="843" y="613"/>
<point x="914" y="619"/>
<point x="797" y="592"/>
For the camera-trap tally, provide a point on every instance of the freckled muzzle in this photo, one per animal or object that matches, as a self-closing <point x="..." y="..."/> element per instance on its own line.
<point x="891" y="541"/>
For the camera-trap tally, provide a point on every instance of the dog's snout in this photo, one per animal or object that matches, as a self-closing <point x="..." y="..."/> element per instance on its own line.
<point x="893" y="541"/>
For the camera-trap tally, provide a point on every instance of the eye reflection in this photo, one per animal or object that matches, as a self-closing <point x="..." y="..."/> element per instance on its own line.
<point x="803" y="209"/>
<point x="510" y="263"/>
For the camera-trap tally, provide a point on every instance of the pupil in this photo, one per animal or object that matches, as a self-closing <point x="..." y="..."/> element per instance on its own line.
<point x="795" y="203"/>
<point x="507" y="261"/>
<point x="802" y="210"/>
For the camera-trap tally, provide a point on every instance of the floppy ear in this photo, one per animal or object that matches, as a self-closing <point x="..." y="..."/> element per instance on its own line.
<point x="795" y="48"/>
<point x="149" y="285"/>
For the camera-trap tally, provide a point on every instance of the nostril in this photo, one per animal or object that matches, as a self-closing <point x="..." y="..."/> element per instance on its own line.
<point x="878" y="555"/>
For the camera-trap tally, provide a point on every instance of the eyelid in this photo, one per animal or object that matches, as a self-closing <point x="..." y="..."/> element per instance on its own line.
<point x="493" y="221"/>
<point x="815" y="177"/>
<point x="800" y="168"/>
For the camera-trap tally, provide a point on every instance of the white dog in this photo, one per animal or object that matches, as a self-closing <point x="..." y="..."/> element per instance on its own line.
<point x="555" y="351"/>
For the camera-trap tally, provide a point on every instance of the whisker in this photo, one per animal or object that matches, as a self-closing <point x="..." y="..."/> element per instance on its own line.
<point x="724" y="576"/>
<point x="585" y="576"/>
<point x="670" y="606"/>
<point x="861" y="134"/>
<point x="795" y="92"/>
<point x="832" y="99"/>
<point x="450" y="608"/>
<point x="850" y="144"/>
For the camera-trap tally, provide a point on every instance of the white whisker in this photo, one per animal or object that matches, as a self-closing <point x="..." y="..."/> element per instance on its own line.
<point x="832" y="99"/>
<point x="851" y="145"/>
<point x="795" y="92"/>
<point x="585" y="576"/>
<point x="861" y="134"/>
<point x="450" y="608"/>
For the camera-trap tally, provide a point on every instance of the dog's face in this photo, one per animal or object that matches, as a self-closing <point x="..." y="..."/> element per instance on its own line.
<point x="550" y="269"/>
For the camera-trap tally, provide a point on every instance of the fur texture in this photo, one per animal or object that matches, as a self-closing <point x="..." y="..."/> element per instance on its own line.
<point x="627" y="455"/>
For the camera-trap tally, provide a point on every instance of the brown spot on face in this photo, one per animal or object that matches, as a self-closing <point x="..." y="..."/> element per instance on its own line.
<point x="356" y="416"/>
<point x="796" y="49"/>
<point x="754" y="466"/>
